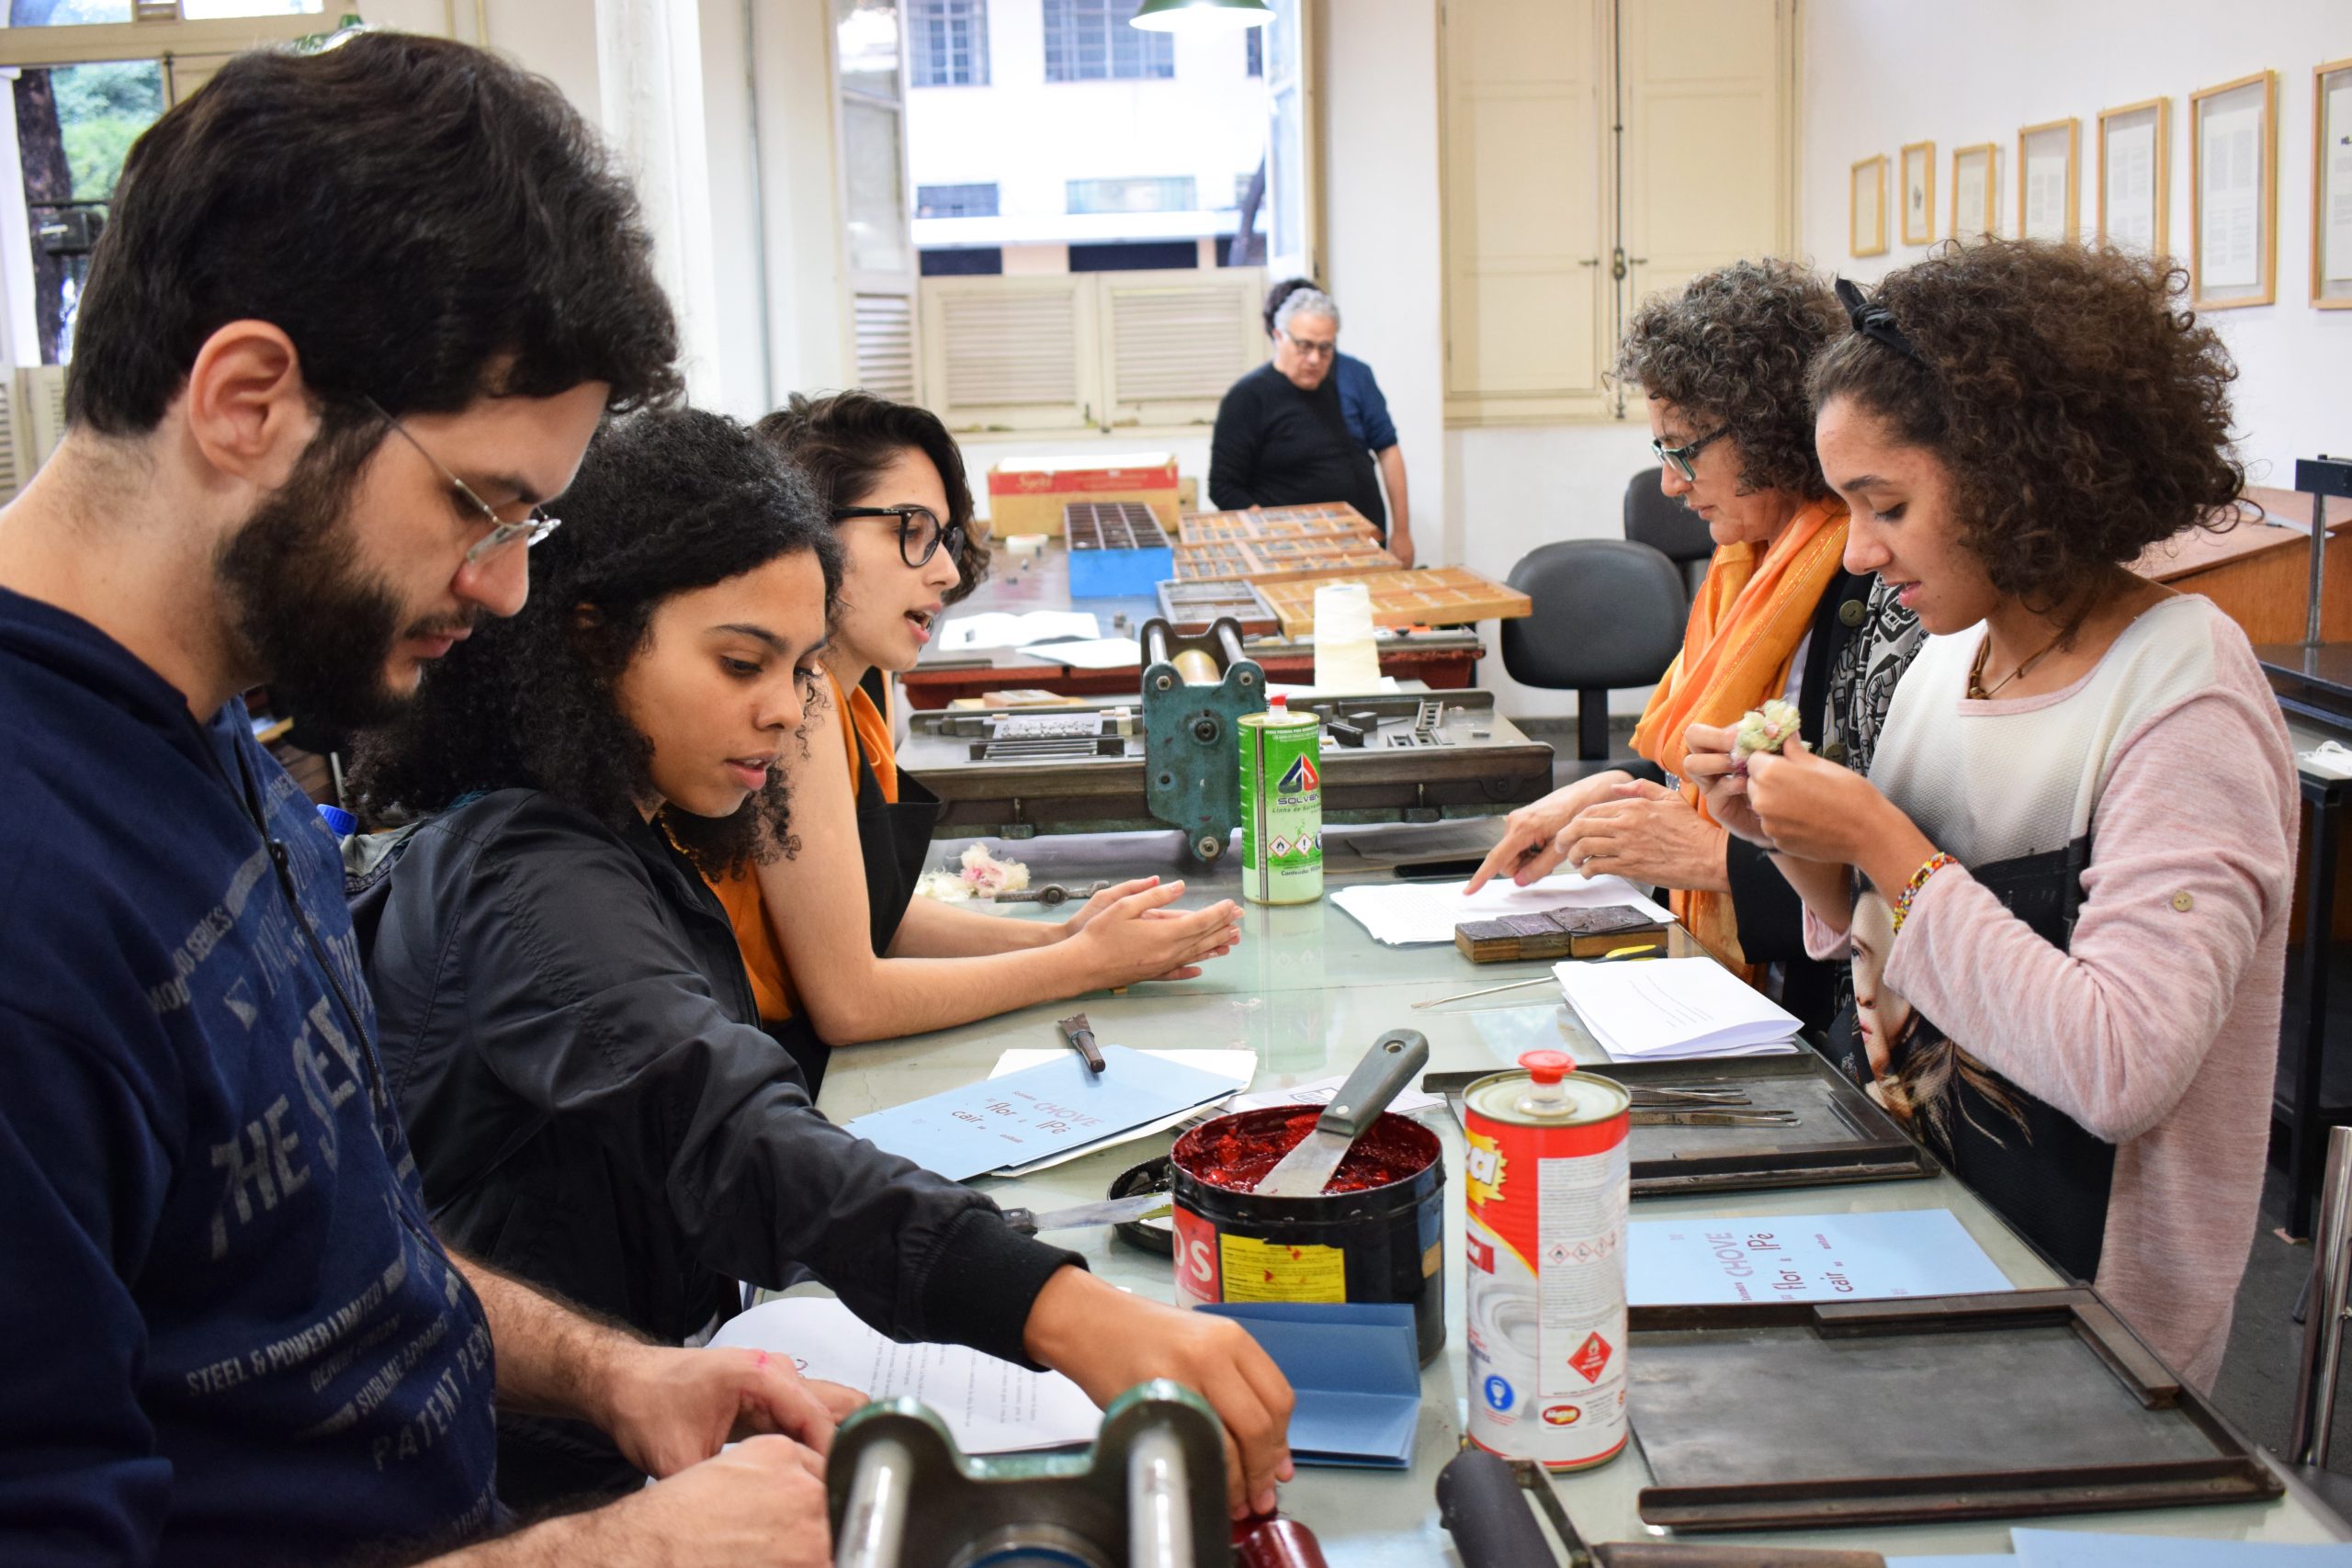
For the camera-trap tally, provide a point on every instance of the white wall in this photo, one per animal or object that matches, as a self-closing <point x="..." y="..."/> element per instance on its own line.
<point x="1959" y="71"/>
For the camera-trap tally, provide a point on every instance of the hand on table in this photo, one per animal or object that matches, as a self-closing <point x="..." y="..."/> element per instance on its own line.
<point x="667" y="1409"/>
<point x="1527" y="851"/>
<point x="1106" y="1341"/>
<point x="1649" y="834"/>
<point x="759" y="1504"/>
<point x="1127" y="933"/>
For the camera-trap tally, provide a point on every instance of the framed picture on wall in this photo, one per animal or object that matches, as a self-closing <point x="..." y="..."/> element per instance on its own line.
<point x="2332" y="185"/>
<point x="1866" y="216"/>
<point x="2234" y="193"/>
<point x="2135" y="177"/>
<point x="1919" y="193"/>
<point x="2047" y="196"/>
<point x="1975" y="190"/>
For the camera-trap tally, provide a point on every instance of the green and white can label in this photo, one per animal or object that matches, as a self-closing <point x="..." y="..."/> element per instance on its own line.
<point x="1282" y="809"/>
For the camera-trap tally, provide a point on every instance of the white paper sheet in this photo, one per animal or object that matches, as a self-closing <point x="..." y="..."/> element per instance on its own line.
<point x="1318" y="1091"/>
<point x="1666" y="1009"/>
<point x="1089" y="653"/>
<point x="1804" y="1257"/>
<point x="2045" y="185"/>
<point x="1001" y="628"/>
<point x="2336" y="255"/>
<point x="2229" y="164"/>
<point x="1401" y="913"/>
<point x="991" y="1406"/>
<point x="1238" y="1065"/>
<point x="2129" y="170"/>
<point x="1969" y="201"/>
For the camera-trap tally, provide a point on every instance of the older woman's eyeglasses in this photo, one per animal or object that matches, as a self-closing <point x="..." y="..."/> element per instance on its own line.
<point x="1679" y="457"/>
<point x="530" y="528"/>
<point x="920" y="533"/>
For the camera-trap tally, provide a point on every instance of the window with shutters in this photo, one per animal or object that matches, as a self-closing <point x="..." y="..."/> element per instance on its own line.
<point x="1594" y="153"/>
<point x="1089" y="40"/>
<point x="1078" y="351"/>
<point x="947" y="42"/>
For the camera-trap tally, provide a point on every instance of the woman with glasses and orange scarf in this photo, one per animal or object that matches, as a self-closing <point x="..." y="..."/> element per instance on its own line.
<point x="1724" y="366"/>
<point x="840" y="949"/>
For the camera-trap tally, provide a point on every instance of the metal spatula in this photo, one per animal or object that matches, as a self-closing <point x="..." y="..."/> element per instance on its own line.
<point x="1392" y="1063"/>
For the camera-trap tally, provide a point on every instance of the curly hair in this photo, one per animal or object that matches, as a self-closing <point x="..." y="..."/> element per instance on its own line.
<point x="2083" y="412"/>
<point x="1731" y="349"/>
<point x="845" y="441"/>
<point x="666" y="501"/>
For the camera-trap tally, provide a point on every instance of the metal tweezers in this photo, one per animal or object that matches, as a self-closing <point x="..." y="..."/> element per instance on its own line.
<point x="1716" y="1118"/>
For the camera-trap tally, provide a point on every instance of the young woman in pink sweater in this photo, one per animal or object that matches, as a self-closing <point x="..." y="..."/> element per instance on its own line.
<point x="2081" y="810"/>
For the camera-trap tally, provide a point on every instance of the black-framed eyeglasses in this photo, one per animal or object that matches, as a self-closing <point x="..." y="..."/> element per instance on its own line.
<point x="530" y="528"/>
<point x="1680" y="456"/>
<point x="920" y="533"/>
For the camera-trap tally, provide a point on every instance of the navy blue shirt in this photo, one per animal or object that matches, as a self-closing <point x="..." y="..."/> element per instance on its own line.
<point x="227" y="1334"/>
<point x="1362" y="405"/>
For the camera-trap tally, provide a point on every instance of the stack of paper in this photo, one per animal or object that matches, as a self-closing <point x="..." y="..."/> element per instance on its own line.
<point x="1664" y="1009"/>
<point x="1806" y="1258"/>
<point x="990" y="1406"/>
<point x="1399" y="913"/>
<point x="1026" y="1116"/>
<point x="1001" y="628"/>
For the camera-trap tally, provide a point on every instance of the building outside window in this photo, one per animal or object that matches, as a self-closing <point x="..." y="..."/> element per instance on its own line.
<point x="956" y="201"/>
<point x="947" y="42"/>
<point x="1089" y="40"/>
<point x="1134" y="193"/>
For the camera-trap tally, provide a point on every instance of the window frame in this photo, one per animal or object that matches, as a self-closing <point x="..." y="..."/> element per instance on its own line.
<point x="1062" y="28"/>
<point x="969" y="17"/>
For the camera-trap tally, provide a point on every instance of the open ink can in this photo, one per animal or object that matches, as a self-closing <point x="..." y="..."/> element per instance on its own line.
<point x="1375" y="1234"/>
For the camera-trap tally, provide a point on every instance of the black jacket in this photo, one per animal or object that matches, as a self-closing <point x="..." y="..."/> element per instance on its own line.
<point x="1276" y="445"/>
<point x="573" y="1042"/>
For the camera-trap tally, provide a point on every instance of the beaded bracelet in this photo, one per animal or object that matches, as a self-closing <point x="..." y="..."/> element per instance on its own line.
<point x="1928" y="868"/>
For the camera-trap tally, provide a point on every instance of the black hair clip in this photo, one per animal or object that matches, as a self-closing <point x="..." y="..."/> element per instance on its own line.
<point x="1874" y="320"/>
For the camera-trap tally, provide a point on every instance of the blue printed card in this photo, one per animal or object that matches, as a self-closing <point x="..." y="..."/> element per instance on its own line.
<point x="1040" y="1110"/>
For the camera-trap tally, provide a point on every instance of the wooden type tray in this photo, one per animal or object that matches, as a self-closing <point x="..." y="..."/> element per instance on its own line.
<point x="1841" y="1133"/>
<point x="1440" y="596"/>
<point x="1183" y="604"/>
<point x="1111" y="525"/>
<point x="1332" y="519"/>
<point x="1298" y="559"/>
<point x="1787" y="1414"/>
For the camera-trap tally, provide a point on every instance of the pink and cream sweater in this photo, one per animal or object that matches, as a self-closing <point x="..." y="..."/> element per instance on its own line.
<point x="2157" y="1029"/>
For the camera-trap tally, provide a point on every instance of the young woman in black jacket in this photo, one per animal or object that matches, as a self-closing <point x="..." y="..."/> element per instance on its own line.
<point x="566" y="1019"/>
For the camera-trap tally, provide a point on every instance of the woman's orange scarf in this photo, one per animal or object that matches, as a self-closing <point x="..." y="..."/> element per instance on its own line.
<point x="1746" y="622"/>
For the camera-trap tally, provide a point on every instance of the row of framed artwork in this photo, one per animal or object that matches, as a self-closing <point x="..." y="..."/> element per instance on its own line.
<point x="2232" y="188"/>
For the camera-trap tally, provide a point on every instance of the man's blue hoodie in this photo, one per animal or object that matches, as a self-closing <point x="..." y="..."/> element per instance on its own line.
<point x="227" y="1334"/>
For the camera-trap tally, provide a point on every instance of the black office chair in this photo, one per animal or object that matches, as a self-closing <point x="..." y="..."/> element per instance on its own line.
<point x="1607" y="613"/>
<point x="1658" y="520"/>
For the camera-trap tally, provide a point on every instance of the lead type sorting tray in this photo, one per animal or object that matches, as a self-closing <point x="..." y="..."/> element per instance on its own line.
<point x="1784" y="1416"/>
<point x="1840" y="1134"/>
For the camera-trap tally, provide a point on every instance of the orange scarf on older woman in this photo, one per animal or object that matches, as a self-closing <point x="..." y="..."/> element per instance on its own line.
<point x="1746" y="622"/>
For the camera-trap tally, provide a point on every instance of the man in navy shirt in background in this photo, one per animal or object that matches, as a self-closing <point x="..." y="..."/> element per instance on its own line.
<point x="356" y="316"/>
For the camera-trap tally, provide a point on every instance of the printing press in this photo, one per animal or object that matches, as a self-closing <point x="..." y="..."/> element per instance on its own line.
<point x="1165" y="757"/>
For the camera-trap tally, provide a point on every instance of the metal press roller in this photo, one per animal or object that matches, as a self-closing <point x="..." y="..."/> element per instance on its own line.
<point x="1149" y="1494"/>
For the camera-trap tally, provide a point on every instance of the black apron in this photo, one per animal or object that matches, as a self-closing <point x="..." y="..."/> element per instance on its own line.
<point x="894" y="841"/>
<point x="2043" y="1172"/>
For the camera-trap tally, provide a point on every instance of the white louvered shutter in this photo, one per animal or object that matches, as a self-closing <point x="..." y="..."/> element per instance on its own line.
<point x="1010" y="353"/>
<point x="886" y="345"/>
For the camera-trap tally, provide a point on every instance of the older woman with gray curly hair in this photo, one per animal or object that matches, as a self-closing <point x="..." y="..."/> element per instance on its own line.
<point x="1724" y="365"/>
